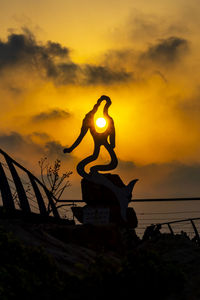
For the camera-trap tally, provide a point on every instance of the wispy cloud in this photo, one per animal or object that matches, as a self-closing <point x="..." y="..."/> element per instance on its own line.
<point x="52" y="115"/>
<point x="166" y="51"/>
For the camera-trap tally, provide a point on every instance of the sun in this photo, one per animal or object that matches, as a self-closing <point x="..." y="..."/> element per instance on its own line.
<point x="101" y="122"/>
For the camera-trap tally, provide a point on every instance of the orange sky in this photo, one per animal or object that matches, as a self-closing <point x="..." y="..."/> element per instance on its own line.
<point x="58" y="57"/>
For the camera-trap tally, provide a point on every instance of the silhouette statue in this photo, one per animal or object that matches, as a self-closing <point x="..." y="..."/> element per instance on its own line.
<point x="100" y="139"/>
<point x="106" y="139"/>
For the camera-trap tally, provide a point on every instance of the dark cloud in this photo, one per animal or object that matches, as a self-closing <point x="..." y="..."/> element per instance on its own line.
<point x="164" y="180"/>
<point x="19" y="146"/>
<point x="24" y="49"/>
<point x="52" y="61"/>
<point x="12" y="140"/>
<point x="87" y="74"/>
<point x="185" y="175"/>
<point x="41" y="135"/>
<point x="54" y="149"/>
<point x="55" y="114"/>
<point x="154" y="61"/>
<point x="166" y="50"/>
<point x="55" y="49"/>
<point x="105" y="75"/>
<point x="25" y="148"/>
<point x="64" y="73"/>
<point x="46" y="59"/>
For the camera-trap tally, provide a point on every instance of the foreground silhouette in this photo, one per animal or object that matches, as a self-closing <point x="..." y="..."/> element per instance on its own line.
<point x="106" y="139"/>
<point x="100" y="139"/>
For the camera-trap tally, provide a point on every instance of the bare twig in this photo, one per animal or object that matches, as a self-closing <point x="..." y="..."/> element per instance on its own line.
<point x="51" y="178"/>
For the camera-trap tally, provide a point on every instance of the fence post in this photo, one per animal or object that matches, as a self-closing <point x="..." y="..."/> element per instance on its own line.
<point x="170" y="228"/>
<point x="25" y="207"/>
<point x="195" y="230"/>
<point x="7" y="198"/>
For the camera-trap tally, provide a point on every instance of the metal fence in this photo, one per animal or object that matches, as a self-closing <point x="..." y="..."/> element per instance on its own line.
<point x="173" y="222"/>
<point x="15" y="192"/>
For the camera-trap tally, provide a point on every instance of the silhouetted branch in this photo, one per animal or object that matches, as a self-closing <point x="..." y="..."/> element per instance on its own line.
<point x="51" y="178"/>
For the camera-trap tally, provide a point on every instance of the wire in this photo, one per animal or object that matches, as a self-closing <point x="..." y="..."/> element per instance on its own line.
<point x="167" y="213"/>
<point x="161" y="219"/>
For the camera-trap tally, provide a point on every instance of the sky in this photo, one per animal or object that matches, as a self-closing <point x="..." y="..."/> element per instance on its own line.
<point x="58" y="57"/>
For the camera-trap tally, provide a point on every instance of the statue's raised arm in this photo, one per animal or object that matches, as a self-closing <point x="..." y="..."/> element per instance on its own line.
<point x="86" y="124"/>
<point x="83" y="132"/>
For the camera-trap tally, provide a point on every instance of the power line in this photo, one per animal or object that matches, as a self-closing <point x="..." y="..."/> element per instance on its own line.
<point x="167" y="213"/>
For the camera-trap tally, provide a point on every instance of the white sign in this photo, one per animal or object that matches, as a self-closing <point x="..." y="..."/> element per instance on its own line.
<point x="96" y="215"/>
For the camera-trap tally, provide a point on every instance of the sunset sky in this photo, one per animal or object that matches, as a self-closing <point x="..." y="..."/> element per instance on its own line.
<point x="57" y="57"/>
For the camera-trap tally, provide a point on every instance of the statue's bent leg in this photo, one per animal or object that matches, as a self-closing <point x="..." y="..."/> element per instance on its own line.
<point x="113" y="163"/>
<point x="81" y="165"/>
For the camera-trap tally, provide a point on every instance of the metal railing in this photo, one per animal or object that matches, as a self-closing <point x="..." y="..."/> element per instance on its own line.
<point x="24" y="204"/>
<point x="180" y="221"/>
<point x="169" y="224"/>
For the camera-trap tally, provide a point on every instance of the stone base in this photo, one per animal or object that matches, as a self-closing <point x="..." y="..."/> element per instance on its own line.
<point x="95" y="194"/>
<point x="104" y="215"/>
<point x="102" y="204"/>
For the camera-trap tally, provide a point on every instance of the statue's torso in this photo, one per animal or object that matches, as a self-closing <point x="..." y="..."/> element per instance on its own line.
<point x="99" y="137"/>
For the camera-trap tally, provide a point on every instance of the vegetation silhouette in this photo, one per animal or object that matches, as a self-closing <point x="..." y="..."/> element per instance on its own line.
<point x="55" y="182"/>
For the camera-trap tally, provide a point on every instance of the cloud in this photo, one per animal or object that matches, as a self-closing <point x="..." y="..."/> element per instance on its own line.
<point x="25" y="146"/>
<point x="54" y="149"/>
<point x="55" y="114"/>
<point x="12" y="140"/>
<point x="40" y="135"/>
<point x="154" y="59"/>
<point x="126" y="165"/>
<point x="173" y="179"/>
<point x="166" y="50"/>
<point x="64" y="73"/>
<point x="55" y="49"/>
<point x="105" y="75"/>
<point x="52" y="61"/>
<point x="22" y="148"/>
<point x="153" y="26"/>
<point x="87" y="75"/>
<point x="24" y="49"/>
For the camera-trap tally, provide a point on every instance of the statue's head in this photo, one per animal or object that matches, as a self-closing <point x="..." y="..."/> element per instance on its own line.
<point x="99" y="101"/>
<point x="108" y="102"/>
<point x="106" y="98"/>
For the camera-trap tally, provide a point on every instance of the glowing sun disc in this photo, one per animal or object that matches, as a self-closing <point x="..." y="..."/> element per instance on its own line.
<point x="101" y="122"/>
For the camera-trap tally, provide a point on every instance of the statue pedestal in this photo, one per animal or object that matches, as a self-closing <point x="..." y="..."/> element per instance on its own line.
<point x="102" y="205"/>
